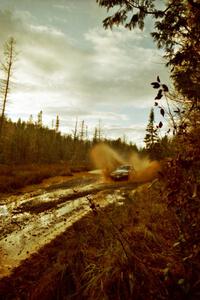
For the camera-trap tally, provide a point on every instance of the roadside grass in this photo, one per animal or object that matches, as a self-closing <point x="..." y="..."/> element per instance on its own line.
<point x="13" y="177"/>
<point x="128" y="251"/>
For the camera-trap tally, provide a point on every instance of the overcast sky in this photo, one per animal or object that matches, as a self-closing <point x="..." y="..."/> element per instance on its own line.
<point x="68" y="65"/>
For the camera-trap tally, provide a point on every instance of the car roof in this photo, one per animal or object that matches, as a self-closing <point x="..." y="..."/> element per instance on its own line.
<point x="124" y="166"/>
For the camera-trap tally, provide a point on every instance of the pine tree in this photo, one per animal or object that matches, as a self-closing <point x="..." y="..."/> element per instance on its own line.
<point x="95" y="136"/>
<point x="57" y="123"/>
<point x="151" y="138"/>
<point x="39" y="121"/>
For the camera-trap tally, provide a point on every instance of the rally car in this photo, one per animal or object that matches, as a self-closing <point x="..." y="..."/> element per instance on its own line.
<point x="122" y="173"/>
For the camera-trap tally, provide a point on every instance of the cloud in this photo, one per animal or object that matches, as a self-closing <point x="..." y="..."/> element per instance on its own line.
<point x="85" y="113"/>
<point x="58" y="74"/>
<point x="62" y="7"/>
<point x="133" y="132"/>
<point x="121" y="65"/>
<point x="113" y="69"/>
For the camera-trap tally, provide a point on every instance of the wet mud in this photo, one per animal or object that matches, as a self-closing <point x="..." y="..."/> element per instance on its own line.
<point x="32" y="220"/>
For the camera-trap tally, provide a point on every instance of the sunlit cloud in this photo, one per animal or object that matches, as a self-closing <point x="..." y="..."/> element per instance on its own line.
<point x="102" y="76"/>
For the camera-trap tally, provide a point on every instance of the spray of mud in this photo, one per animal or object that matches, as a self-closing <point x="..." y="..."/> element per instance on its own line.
<point x="107" y="159"/>
<point x="145" y="169"/>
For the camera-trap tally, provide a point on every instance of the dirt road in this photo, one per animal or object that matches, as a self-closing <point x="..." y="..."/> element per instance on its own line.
<point x="37" y="215"/>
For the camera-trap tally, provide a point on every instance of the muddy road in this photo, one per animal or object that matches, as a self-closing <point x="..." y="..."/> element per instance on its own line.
<point x="36" y="215"/>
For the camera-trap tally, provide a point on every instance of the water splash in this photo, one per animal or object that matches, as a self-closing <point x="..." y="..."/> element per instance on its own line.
<point x="107" y="159"/>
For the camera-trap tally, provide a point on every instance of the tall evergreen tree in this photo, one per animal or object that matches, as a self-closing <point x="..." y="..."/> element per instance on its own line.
<point x="151" y="138"/>
<point x="57" y="123"/>
<point x="39" y="121"/>
<point x="95" y="135"/>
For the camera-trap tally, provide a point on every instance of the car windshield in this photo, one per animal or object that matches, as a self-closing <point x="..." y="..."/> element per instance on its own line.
<point x="124" y="168"/>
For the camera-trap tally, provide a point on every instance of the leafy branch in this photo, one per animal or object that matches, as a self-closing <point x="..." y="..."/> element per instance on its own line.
<point x="174" y="114"/>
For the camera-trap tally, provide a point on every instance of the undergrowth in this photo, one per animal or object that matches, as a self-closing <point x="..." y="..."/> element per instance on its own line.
<point x="182" y="194"/>
<point x="13" y="177"/>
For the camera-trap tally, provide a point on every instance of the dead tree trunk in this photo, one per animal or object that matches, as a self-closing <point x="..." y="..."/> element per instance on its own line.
<point x="9" y="54"/>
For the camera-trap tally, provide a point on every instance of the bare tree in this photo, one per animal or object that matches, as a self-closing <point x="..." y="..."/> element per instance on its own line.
<point x="82" y="130"/>
<point x="75" y="130"/>
<point x="7" y="68"/>
<point x="86" y="132"/>
<point x="99" y="131"/>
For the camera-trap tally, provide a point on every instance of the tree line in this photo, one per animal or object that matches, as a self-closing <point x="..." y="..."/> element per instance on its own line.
<point x="28" y="142"/>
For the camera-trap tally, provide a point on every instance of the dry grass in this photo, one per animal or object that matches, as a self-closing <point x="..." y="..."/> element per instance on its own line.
<point x="132" y="250"/>
<point x="13" y="177"/>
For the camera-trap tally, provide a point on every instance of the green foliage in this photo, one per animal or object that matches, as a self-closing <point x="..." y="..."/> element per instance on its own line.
<point x="32" y="143"/>
<point x="151" y="138"/>
<point x="57" y="123"/>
